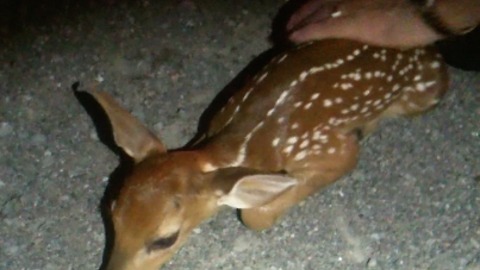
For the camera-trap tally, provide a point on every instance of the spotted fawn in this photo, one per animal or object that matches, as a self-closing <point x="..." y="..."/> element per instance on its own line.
<point x="291" y="130"/>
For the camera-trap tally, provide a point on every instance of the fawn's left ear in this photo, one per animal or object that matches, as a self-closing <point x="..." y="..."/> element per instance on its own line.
<point x="252" y="189"/>
<point x="129" y="133"/>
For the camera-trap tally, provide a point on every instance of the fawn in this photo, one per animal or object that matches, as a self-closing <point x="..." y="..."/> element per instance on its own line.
<point x="292" y="129"/>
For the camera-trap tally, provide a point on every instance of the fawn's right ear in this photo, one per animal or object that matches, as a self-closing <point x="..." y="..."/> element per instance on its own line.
<point x="129" y="133"/>
<point x="245" y="188"/>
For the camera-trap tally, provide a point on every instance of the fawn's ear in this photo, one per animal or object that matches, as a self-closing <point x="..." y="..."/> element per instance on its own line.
<point x="249" y="189"/>
<point x="129" y="133"/>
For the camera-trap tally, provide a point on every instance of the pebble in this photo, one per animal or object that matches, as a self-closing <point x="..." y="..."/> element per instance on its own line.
<point x="11" y="250"/>
<point x="94" y="136"/>
<point x="50" y="266"/>
<point x="158" y="127"/>
<point x="5" y="129"/>
<point x="99" y="78"/>
<point x="47" y="159"/>
<point x="39" y="139"/>
<point x="371" y="263"/>
<point x="243" y="243"/>
<point x="376" y="236"/>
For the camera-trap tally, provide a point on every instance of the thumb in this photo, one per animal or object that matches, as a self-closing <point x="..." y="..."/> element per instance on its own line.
<point x="311" y="12"/>
<point x="334" y="28"/>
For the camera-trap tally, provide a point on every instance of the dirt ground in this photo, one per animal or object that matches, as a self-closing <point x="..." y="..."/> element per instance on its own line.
<point x="412" y="203"/>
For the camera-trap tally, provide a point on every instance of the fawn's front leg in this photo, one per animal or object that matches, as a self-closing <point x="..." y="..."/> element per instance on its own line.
<point x="324" y="164"/>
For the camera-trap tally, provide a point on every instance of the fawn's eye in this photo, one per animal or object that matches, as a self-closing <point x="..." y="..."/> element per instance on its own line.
<point x="163" y="243"/>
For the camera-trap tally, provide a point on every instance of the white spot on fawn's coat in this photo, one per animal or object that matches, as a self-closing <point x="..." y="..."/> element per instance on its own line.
<point x="327" y="103"/>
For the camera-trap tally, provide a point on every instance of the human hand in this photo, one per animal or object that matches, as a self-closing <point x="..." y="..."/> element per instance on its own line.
<point x="392" y="23"/>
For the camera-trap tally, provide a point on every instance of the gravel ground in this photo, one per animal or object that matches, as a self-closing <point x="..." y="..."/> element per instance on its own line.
<point x="412" y="203"/>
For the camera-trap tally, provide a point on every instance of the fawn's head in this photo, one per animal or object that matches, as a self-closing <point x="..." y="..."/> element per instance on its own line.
<point x="169" y="193"/>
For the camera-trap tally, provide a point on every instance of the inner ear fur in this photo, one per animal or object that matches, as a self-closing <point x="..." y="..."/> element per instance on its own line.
<point x="247" y="188"/>
<point x="129" y="133"/>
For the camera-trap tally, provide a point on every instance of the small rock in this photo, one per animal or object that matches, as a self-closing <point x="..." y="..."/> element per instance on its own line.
<point x="371" y="263"/>
<point x="376" y="236"/>
<point x="39" y="139"/>
<point x="94" y="136"/>
<point x="99" y="78"/>
<point x="98" y="237"/>
<point x="158" y="127"/>
<point x="50" y="266"/>
<point x="5" y="129"/>
<point x="11" y="250"/>
<point x="242" y="243"/>
<point x="47" y="159"/>
<point x="64" y="198"/>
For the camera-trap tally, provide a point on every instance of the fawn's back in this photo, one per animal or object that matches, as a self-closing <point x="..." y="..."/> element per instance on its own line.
<point x="292" y="129"/>
<point x="306" y="97"/>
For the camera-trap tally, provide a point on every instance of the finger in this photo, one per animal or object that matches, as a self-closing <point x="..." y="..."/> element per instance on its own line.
<point x="312" y="11"/>
<point x="367" y="26"/>
<point x="315" y="31"/>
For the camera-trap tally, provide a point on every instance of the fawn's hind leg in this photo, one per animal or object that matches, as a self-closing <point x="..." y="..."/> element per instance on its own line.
<point x="316" y="170"/>
<point x="423" y="94"/>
